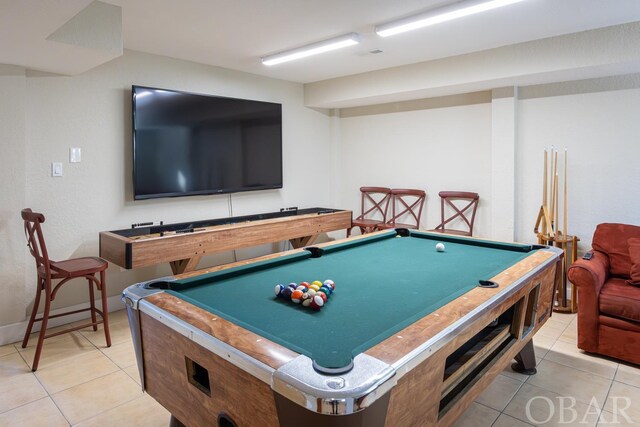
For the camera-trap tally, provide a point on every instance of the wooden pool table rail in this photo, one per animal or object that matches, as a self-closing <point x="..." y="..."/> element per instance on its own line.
<point x="184" y="250"/>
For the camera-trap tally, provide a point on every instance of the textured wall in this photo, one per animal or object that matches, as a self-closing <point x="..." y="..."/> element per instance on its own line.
<point x="12" y="192"/>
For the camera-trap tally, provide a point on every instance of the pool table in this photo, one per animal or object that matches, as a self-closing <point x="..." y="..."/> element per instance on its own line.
<point x="410" y="336"/>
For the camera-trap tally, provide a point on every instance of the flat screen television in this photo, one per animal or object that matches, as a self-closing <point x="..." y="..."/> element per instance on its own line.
<point x="189" y="144"/>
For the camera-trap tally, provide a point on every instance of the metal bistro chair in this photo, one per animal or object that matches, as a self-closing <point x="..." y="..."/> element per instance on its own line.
<point x="464" y="205"/>
<point x="48" y="271"/>
<point x="378" y="200"/>
<point x="407" y="206"/>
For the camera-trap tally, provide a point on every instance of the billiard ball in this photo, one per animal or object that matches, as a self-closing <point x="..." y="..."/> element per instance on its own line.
<point x="278" y="290"/>
<point x="316" y="302"/>
<point x="305" y="284"/>
<point x="314" y="287"/>
<point x="329" y="283"/>
<point x="322" y="295"/>
<point x="286" y="293"/>
<point x="440" y="247"/>
<point x="311" y="291"/>
<point x="296" y="296"/>
<point x="325" y="290"/>
<point x="293" y="286"/>
<point x="317" y="283"/>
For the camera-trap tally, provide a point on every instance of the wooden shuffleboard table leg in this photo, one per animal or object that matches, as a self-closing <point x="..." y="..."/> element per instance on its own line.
<point x="185" y="265"/>
<point x="302" y="241"/>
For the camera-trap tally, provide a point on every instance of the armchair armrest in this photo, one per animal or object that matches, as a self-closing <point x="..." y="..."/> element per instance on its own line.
<point x="589" y="276"/>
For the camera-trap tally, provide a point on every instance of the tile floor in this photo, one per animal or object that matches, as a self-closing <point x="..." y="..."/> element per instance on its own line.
<point x="82" y="383"/>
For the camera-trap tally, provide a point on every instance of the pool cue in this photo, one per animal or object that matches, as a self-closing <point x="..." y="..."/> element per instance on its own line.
<point x="544" y="191"/>
<point x="554" y="188"/>
<point x="566" y="232"/>
<point x="556" y="211"/>
<point x="544" y="179"/>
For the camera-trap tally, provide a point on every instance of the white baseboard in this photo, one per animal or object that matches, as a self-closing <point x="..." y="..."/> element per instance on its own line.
<point x="15" y="331"/>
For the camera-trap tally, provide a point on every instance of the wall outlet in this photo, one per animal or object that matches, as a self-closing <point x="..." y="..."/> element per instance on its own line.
<point x="56" y="169"/>
<point x="75" y="155"/>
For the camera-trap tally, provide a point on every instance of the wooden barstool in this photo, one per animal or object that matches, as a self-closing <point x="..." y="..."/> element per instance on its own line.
<point x="48" y="270"/>
<point x="463" y="205"/>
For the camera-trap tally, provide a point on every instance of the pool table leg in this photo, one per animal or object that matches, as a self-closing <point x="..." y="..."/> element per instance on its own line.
<point x="526" y="360"/>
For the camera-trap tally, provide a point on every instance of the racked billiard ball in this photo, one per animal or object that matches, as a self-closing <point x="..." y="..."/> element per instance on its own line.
<point x="278" y="290"/>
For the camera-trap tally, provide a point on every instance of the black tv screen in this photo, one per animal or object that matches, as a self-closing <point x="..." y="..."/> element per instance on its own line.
<point x="190" y="144"/>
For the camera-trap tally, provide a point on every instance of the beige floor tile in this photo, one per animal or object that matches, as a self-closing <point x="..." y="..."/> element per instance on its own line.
<point x="58" y="350"/>
<point x="7" y="349"/>
<point x="507" y="421"/>
<point x="477" y="415"/>
<point x="542" y="344"/>
<point x="607" y="419"/>
<point x="119" y="333"/>
<point x="538" y="406"/>
<point x="118" y="316"/>
<point x="141" y="412"/>
<point x="499" y="392"/>
<point x="33" y="338"/>
<point x="92" y="398"/>
<point x="77" y="370"/>
<point x="569" y="355"/>
<point x="628" y="374"/>
<point x="552" y="329"/>
<point x="133" y="372"/>
<point x="624" y="398"/>
<point x="570" y="334"/>
<point x="571" y="382"/>
<point x="122" y="354"/>
<point x="565" y="318"/>
<point x="18" y="385"/>
<point x="12" y="364"/>
<point x="40" y="413"/>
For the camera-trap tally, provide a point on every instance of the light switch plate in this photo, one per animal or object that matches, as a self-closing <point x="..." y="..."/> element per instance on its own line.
<point x="56" y="169"/>
<point x="75" y="155"/>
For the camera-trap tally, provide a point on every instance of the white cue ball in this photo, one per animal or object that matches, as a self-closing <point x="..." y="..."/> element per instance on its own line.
<point x="440" y="247"/>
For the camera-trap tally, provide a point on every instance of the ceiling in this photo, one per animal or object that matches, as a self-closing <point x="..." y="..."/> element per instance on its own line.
<point x="235" y="34"/>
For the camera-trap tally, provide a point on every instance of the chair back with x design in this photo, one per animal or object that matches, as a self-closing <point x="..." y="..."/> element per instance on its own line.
<point x="35" y="241"/>
<point x="407" y="208"/>
<point x="463" y="205"/>
<point x="373" y="207"/>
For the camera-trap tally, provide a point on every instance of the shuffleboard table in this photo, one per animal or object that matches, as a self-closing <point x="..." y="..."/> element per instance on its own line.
<point x="183" y="244"/>
<point x="410" y="336"/>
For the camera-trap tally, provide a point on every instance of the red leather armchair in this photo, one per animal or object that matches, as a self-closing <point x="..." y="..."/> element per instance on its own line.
<point x="608" y="304"/>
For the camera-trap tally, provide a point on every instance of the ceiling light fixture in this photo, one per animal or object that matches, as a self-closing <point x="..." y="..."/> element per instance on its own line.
<point x="312" y="49"/>
<point x="443" y="14"/>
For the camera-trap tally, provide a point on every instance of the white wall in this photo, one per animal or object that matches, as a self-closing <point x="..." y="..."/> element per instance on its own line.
<point x="435" y="149"/>
<point x="93" y="111"/>
<point x="601" y="131"/>
<point x="12" y="190"/>
<point x="439" y="148"/>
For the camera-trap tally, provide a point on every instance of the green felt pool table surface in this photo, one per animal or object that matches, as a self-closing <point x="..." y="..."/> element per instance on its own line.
<point x="383" y="284"/>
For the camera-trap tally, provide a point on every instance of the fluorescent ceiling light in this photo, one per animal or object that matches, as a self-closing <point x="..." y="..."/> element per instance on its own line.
<point x="443" y="14"/>
<point x="312" y="49"/>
